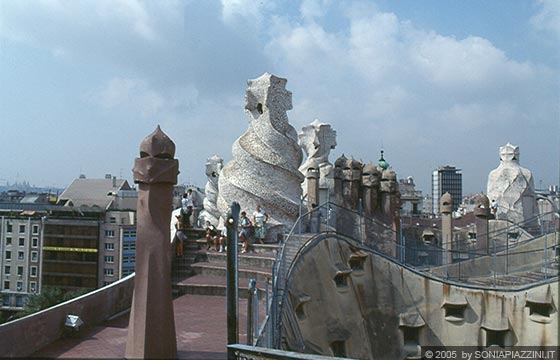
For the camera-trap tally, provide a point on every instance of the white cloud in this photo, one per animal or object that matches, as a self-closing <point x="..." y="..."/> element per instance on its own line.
<point x="131" y="13"/>
<point x="245" y="12"/>
<point x="374" y="76"/>
<point x="137" y="96"/>
<point x="548" y="17"/>
<point x="311" y="9"/>
<point x="133" y="93"/>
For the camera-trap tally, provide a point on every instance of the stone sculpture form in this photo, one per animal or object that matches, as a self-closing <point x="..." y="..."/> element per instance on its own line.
<point x="482" y="215"/>
<point x="351" y="180"/>
<point x="317" y="140"/>
<point x="389" y="192"/>
<point x="266" y="158"/>
<point x="370" y="189"/>
<point x="211" y="213"/>
<point x="312" y="183"/>
<point x="151" y="328"/>
<point x="446" y="208"/>
<point x="512" y="187"/>
<point x="338" y="174"/>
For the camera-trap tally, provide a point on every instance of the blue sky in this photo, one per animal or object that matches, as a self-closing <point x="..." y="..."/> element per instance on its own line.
<point x="432" y="82"/>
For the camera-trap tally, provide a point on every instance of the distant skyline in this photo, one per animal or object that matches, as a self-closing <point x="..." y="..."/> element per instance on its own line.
<point x="431" y="82"/>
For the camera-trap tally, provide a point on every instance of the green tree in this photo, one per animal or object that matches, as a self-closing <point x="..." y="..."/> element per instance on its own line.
<point x="48" y="297"/>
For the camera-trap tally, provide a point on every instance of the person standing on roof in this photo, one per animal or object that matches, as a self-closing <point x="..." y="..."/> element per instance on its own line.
<point x="260" y="217"/>
<point x="187" y="204"/>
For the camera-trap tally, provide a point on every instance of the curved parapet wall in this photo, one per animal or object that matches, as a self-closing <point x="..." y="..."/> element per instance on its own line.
<point x="264" y="168"/>
<point x="363" y="305"/>
<point x="23" y="337"/>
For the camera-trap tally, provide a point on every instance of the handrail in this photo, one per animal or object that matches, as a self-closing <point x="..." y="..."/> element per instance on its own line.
<point x="293" y="246"/>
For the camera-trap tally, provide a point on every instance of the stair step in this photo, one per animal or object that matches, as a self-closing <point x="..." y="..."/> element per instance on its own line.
<point x="219" y="270"/>
<point x="251" y="259"/>
<point x="213" y="286"/>
<point x="257" y="248"/>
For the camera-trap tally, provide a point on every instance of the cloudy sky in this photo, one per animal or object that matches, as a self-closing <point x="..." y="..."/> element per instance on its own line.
<point x="432" y="82"/>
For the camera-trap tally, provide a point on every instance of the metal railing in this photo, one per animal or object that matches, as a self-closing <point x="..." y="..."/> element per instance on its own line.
<point x="514" y="257"/>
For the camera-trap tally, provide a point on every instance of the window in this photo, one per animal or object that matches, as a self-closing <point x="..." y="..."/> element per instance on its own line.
<point x="34" y="256"/>
<point x="338" y="348"/>
<point x="19" y="286"/>
<point x="34" y="271"/>
<point x="129" y="233"/>
<point x="8" y="255"/>
<point x="6" y="300"/>
<point x="34" y="242"/>
<point x="9" y="227"/>
<point x="6" y="285"/>
<point x="8" y="241"/>
<point x="128" y="259"/>
<point x="20" y="271"/>
<point x="109" y="272"/>
<point x="22" y="229"/>
<point x="496" y="337"/>
<point x="454" y="312"/>
<point x="20" y="255"/>
<point x="33" y="286"/>
<point x="539" y="311"/>
<point x="341" y="278"/>
<point x="35" y="230"/>
<point x="109" y="259"/>
<point x="109" y="233"/>
<point x="113" y="220"/>
<point x="109" y="246"/>
<point x="7" y="270"/>
<point x="130" y="246"/>
<point x="410" y="334"/>
<point x="21" y="241"/>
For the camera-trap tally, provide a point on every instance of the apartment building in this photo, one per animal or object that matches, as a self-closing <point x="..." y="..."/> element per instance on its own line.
<point x="20" y="249"/>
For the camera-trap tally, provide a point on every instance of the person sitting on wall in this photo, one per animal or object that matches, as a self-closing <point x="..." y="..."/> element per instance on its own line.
<point x="211" y="236"/>
<point x="222" y="239"/>
<point x="180" y="236"/>
<point x="260" y="217"/>
<point x="246" y="231"/>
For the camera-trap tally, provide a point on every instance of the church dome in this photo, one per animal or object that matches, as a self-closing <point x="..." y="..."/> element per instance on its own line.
<point x="382" y="163"/>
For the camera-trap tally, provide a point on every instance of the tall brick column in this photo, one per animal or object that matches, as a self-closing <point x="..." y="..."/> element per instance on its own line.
<point x="151" y="329"/>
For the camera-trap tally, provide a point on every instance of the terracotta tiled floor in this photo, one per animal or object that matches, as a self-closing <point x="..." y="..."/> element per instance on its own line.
<point x="200" y="323"/>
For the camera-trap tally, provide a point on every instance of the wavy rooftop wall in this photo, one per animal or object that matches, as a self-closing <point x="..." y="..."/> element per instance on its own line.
<point x="363" y="305"/>
<point x="25" y="336"/>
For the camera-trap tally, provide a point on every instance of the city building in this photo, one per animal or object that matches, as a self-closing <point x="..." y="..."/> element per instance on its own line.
<point x="117" y="199"/>
<point x="118" y="244"/>
<point x="411" y="199"/>
<point x="104" y="193"/>
<point x="71" y="249"/>
<point x="20" y="244"/>
<point x="446" y="179"/>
